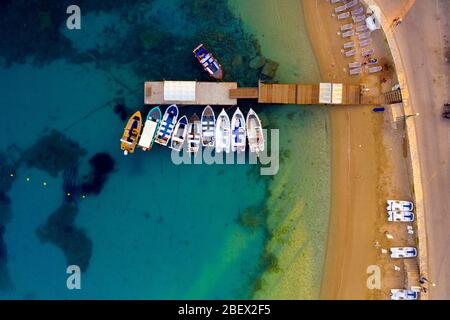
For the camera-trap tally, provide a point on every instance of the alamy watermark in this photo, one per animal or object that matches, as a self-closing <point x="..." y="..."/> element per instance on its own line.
<point x="74" y="279"/>
<point x="73" y="22"/>
<point x="269" y="158"/>
<point x="374" y="279"/>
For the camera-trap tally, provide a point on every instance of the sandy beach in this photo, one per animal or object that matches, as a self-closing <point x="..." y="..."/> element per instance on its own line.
<point x="364" y="172"/>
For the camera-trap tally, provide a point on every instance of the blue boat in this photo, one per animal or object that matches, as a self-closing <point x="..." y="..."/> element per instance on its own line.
<point x="179" y="134"/>
<point x="167" y="125"/>
<point x="208" y="62"/>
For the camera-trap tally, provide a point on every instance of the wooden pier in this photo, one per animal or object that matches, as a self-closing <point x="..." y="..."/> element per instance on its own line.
<point x="228" y="93"/>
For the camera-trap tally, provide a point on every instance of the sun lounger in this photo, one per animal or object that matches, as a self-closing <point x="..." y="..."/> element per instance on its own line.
<point x="348" y="34"/>
<point x="375" y="69"/>
<point x="343" y="16"/>
<point x="357" y="19"/>
<point x="349" y="45"/>
<point x="355" y="71"/>
<point x="365" y="43"/>
<point x="340" y="8"/>
<point x="364" y="35"/>
<point x="350" y="53"/>
<point x="346" y="27"/>
<point x="362" y="28"/>
<point x="351" y="4"/>
<point x="355" y="64"/>
<point x="357" y="11"/>
<point x="367" y="52"/>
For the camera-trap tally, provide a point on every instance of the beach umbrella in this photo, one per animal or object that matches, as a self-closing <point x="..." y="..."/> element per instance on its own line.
<point x="373" y="22"/>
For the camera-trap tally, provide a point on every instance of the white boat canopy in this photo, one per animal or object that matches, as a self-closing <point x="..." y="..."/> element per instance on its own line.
<point x="337" y="93"/>
<point x="325" y="93"/>
<point x="179" y="91"/>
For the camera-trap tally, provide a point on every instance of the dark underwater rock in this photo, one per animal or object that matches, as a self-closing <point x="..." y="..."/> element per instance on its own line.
<point x="5" y="280"/>
<point x="122" y="111"/>
<point x="257" y="62"/>
<point x="71" y="187"/>
<point x="61" y="231"/>
<point x="102" y="164"/>
<point x="53" y="153"/>
<point x="270" y="69"/>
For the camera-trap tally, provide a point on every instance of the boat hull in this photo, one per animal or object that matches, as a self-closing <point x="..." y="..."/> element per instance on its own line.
<point x="150" y="129"/>
<point x="254" y="132"/>
<point x="179" y="134"/>
<point x="223" y="134"/>
<point x="131" y="133"/>
<point x="238" y="132"/>
<point x="167" y="125"/>
<point x="208" y="120"/>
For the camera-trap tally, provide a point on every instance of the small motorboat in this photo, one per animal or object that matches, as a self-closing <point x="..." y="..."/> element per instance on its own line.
<point x="167" y="125"/>
<point x="403" y="252"/>
<point x="254" y="132"/>
<point x="131" y="133"/>
<point x="208" y="127"/>
<point x="399" y="205"/>
<point x="194" y="134"/>
<point x="208" y="62"/>
<point x="150" y="128"/>
<point x="179" y="134"/>
<point x="223" y="134"/>
<point x="238" y="132"/>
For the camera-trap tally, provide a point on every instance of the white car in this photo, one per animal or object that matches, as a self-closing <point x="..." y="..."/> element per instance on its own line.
<point x="400" y="216"/>
<point x="403" y="252"/>
<point x="398" y="205"/>
<point x="402" y="294"/>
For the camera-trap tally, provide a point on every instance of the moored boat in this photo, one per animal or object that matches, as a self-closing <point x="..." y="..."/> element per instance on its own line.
<point x="179" y="134"/>
<point x="208" y="127"/>
<point x="254" y="132"/>
<point x="131" y="133"/>
<point x="223" y="134"/>
<point x="238" y="132"/>
<point x="194" y="134"/>
<point x="167" y="125"/>
<point x="150" y="128"/>
<point x="208" y="62"/>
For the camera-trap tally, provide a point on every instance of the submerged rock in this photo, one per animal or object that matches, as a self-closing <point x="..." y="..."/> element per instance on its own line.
<point x="5" y="280"/>
<point x="257" y="62"/>
<point x="53" y="153"/>
<point x="270" y="69"/>
<point x="61" y="231"/>
<point x="102" y="165"/>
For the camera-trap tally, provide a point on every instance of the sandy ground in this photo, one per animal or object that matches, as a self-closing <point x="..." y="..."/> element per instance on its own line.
<point x="368" y="166"/>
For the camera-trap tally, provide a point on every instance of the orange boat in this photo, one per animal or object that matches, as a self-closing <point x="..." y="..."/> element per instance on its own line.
<point x="131" y="133"/>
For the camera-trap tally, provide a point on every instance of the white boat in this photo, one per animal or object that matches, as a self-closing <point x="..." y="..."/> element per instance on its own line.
<point x="208" y="127"/>
<point x="402" y="294"/>
<point x="223" y="134"/>
<point x="400" y="216"/>
<point x="238" y="132"/>
<point x="194" y="134"/>
<point x="167" y="125"/>
<point x="254" y="132"/>
<point x="399" y="205"/>
<point x="179" y="134"/>
<point x="150" y="128"/>
<point x="403" y="252"/>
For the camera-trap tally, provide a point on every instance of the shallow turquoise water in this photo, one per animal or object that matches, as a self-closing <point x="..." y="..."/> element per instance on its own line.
<point x="157" y="230"/>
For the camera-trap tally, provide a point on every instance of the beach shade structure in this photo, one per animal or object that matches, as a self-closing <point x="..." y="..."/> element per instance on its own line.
<point x="373" y="22"/>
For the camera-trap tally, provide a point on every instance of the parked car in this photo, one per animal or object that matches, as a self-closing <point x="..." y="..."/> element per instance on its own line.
<point x="403" y="252"/>
<point x="402" y="294"/>
<point x="446" y="111"/>
<point x="399" y="205"/>
<point x="400" y="216"/>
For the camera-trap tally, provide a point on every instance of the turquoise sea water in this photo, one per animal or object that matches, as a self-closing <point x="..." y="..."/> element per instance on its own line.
<point x="152" y="230"/>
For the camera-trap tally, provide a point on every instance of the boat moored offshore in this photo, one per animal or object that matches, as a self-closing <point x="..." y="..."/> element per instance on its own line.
<point x="194" y="134"/>
<point x="254" y="132"/>
<point x="238" y="132"/>
<point x="223" y="134"/>
<point x="167" y="125"/>
<point x="208" y="62"/>
<point x="208" y="127"/>
<point x="150" y="128"/>
<point x="131" y="133"/>
<point x="179" y="134"/>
